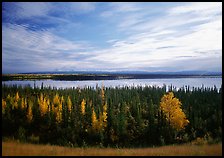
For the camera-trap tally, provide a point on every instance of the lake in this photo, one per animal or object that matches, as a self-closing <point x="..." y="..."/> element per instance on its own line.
<point x="176" y="82"/>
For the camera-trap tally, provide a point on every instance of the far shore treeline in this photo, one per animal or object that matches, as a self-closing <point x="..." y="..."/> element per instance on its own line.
<point x="112" y="117"/>
<point x="100" y="76"/>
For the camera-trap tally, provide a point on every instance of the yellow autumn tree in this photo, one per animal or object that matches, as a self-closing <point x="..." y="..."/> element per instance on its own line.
<point x="49" y="105"/>
<point x="23" y="103"/>
<point x="17" y="97"/>
<point x="43" y="104"/>
<point x="60" y="105"/>
<point x="58" y="116"/>
<point x="104" y="116"/>
<point x="101" y="123"/>
<point x="62" y="100"/>
<point x="94" y="120"/>
<point x="83" y="108"/>
<point x="103" y="95"/>
<point x="29" y="112"/>
<point x="55" y="107"/>
<point x="171" y="108"/>
<point x="15" y="104"/>
<point x="56" y="100"/>
<point x="69" y="104"/>
<point x="3" y="106"/>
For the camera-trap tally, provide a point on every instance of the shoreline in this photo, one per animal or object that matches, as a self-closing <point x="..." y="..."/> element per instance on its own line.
<point x="84" y="77"/>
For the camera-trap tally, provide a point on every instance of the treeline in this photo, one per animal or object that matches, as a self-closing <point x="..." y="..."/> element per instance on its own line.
<point x="82" y="77"/>
<point x="126" y="117"/>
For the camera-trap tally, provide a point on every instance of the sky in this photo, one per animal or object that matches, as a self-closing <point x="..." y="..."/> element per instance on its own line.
<point x="111" y="36"/>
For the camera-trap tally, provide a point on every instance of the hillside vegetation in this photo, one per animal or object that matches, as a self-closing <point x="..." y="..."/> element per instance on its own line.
<point x="112" y="117"/>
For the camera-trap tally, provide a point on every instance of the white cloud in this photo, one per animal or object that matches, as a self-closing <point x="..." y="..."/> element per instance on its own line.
<point x="180" y="36"/>
<point x="82" y="7"/>
<point x="115" y="9"/>
<point x="125" y="7"/>
<point x="201" y="8"/>
<point x="39" y="49"/>
<point x="36" y="40"/>
<point x="30" y="9"/>
<point x="187" y="36"/>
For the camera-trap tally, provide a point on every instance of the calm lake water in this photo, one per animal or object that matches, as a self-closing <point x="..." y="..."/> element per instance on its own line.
<point x="176" y="82"/>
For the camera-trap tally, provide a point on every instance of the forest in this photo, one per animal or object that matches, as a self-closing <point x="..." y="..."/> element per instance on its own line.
<point x="99" y="76"/>
<point x="112" y="117"/>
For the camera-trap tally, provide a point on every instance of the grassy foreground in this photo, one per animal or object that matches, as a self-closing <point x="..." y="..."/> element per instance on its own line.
<point x="12" y="148"/>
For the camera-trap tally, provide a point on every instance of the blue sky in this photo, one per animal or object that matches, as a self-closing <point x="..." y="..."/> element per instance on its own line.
<point x="111" y="36"/>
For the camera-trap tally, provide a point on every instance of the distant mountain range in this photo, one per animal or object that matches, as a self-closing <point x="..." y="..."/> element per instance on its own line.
<point x="107" y="75"/>
<point x="200" y="73"/>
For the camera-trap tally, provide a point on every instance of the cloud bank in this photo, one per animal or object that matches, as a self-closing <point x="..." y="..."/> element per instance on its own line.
<point x="46" y="36"/>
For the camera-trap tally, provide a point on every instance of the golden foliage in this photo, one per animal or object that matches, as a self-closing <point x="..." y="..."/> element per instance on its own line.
<point x="103" y="95"/>
<point x="69" y="104"/>
<point x="101" y="124"/>
<point x="29" y="112"/>
<point x="57" y="107"/>
<point x="23" y="103"/>
<point x="52" y="108"/>
<point x="3" y="106"/>
<point x="17" y="97"/>
<point x="171" y="107"/>
<point x="58" y="116"/>
<point x="58" y="113"/>
<point x="43" y="104"/>
<point x="15" y="103"/>
<point x="56" y="100"/>
<point x="83" y="108"/>
<point x="62" y="100"/>
<point x="60" y="106"/>
<point x="49" y="105"/>
<point x="94" y="120"/>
